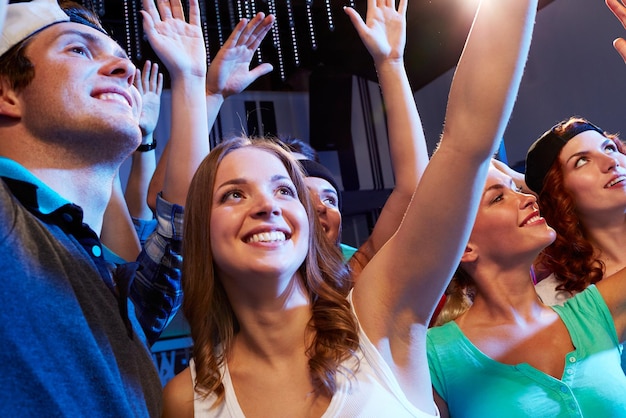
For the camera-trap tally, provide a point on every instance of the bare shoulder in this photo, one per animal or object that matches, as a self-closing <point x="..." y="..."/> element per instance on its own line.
<point x="178" y="396"/>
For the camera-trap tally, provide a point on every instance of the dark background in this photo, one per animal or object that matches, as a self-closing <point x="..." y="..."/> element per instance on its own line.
<point x="436" y="32"/>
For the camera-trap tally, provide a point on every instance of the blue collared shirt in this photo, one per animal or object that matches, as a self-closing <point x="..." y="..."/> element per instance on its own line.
<point x="156" y="290"/>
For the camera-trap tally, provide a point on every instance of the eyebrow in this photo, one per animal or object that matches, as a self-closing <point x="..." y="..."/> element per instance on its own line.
<point x="240" y="180"/>
<point x="499" y="186"/>
<point x="331" y="191"/>
<point x="94" y="39"/>
<point x="585" y="152"/>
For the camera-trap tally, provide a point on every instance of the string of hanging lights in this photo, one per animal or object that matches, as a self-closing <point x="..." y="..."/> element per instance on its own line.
<point x="298" y="25"/>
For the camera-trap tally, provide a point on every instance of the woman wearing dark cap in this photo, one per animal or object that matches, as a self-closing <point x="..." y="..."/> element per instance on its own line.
<point x="323" y="188"/>
<point x="578" y="173"/>
<point x="327" y="200"/>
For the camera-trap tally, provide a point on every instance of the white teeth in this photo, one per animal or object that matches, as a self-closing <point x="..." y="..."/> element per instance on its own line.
<point x="532" y="220"/>
<point x="614" y="182"/>
<point x="115" y="97"/>
<point x="267" y="237"/>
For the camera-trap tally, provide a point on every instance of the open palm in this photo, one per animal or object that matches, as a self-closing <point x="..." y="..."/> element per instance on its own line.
<point x="179" y="45"/>
<point x="230" y="73"/>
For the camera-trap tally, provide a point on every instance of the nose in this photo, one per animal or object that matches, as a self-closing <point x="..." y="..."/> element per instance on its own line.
<point x="320" y="207"/>
<point x="266" y="206"/>
<point x="527" y="199"/>
<point x="120" y="67"/>
<point x="608" y="161"/>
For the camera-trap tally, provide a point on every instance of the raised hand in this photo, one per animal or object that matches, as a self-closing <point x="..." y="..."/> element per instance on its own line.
<point x="619" y="10"/>
<point x="384" y="30"/>
<point x="179" y="45"/>
<point x="150" y="85"/>
<point x="229" y="72"/>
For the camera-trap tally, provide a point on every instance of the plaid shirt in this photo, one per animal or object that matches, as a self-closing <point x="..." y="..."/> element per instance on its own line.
<point x="156" y="290"/>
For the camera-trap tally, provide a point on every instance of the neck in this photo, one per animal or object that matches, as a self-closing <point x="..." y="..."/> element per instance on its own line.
<point x="504" y="295"/>
<point x="81" y="176"/>
<point x="273" y="337"/>
<point x="609" y="240"/>
<point x="87" y="188"/>
<point x="272" y="324"/>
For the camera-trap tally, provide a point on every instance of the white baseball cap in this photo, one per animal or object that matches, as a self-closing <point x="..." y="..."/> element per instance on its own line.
<point x="24" y="19"/>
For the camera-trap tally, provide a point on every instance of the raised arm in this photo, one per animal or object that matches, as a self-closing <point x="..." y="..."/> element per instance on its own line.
<point x="180" y="46"/>
<point x="118" y="232"/>
<point x="613" y="290"/>
<point x="150" y="85"/>
<point x="229" y="74"/>
<point x="156" y="289"/>
<point x="401" y="286"/>
<point x="384" y="36"/>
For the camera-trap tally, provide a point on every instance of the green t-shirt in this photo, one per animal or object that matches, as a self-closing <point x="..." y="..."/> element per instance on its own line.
<point x="347" y="251"/>
<point x="592" y="385"/>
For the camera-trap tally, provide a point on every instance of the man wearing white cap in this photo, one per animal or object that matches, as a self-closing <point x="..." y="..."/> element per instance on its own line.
<point x="3" y="11"/>
<point x="72" y="344"/>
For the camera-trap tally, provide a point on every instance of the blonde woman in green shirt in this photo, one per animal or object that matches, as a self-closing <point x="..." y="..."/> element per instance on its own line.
<point x="509" y="353"/>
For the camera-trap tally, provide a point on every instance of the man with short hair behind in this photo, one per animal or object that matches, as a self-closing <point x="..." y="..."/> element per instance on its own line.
<point x="71" y="342"/>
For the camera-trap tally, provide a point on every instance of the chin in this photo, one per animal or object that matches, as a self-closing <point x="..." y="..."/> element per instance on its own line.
<point x="128" y="138"/>
<point x="550" y="238"/>
<point x="114" y="144"/>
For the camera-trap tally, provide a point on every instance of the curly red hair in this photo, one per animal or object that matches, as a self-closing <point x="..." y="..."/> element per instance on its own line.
<point x="572" y="258"/>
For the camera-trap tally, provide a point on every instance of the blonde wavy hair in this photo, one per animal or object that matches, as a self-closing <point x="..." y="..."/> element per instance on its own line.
<point x="459" y="297"/>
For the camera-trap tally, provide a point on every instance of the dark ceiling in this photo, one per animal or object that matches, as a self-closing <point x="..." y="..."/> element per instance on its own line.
<point x="308" y="42"/>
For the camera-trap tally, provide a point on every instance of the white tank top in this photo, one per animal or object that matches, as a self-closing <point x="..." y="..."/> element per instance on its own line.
<point x="372" y="392"/>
